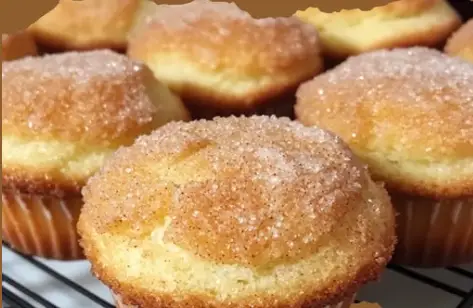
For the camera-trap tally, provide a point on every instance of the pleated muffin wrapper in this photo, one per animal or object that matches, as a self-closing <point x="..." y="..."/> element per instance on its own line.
<point x="344" y="304"/>
<point x="43" y="226"/>
<point x="433" y="233"/>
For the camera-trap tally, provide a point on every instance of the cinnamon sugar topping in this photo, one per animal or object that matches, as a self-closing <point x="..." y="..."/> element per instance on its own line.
<point x="421" y="95"/>
<point x="96" y="95"/>
<point x="247" y="190"/>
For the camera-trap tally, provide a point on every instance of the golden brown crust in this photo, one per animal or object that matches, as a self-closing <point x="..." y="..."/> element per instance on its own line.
<point x="402" y="23"/>
<point x="407" y="112"/>
<point x="136" y="296"/>
<point x="345" y="303"/>
<point x="32" y="182"/>
<point x="91" y="24"/>
<point x="446" y="190"/>
<point x="461" y="42"/>
<point x="66" y="97"/>
<point x="17" y="45"/>
<point x="274" y="166"/>
<point x="226" y="58"/>
<point x="231" y="201"/>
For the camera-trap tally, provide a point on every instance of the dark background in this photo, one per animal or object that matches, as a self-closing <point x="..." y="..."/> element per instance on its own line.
<point x="465" y="8"/>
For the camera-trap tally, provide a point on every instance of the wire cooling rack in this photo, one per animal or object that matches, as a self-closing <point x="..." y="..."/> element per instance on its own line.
<point x="35" y="283"/>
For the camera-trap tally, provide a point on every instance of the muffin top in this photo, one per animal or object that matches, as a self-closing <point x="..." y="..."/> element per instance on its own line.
<point x="96" y="97"/>
<point x="412" y="105"/>
<point x="220" y="34"/>
<point x="236" y="190"/>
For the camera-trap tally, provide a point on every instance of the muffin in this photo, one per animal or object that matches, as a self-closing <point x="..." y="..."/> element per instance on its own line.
<point x="85" y="25"/>
<point x="401" y="23"/>
<point x="17" y="45"/>
<point x="408" y="113"/>
<point x="210" y="214"/>
<point x="461" y="42"/>
<point x="221" y="61"/>
<point x="62" y="116"/>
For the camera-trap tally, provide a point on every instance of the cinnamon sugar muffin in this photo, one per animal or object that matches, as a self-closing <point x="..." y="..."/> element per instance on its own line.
<point x="210" y="214"/>
<point x="401" y="23"/>
<point x="17" y="45"/>
<point x="409" y="114"/>
<point x="91" y="24"/>
<point x="222" y="61"/>
<point x="62" y="115"/>
<point x="461" y="42"/>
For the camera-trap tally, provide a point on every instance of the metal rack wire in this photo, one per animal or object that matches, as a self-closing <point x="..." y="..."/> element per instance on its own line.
<point x="16" y="295"/>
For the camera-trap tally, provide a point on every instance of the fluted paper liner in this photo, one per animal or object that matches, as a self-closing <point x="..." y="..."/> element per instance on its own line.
<point x="43" y="226"/>
<point x="433" y="233"/>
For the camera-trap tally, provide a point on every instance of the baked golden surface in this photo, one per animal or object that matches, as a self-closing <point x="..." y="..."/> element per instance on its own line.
<point x="17" y="45"/>
<point x="212" y="214"/>
<point x="461" y="42"/>
<point x="408" y="113"/>
<point x="87" y="24"/>
<point x="398" y="24"/>
<point x="63" y="114"/>
<point x="215" y="54"/>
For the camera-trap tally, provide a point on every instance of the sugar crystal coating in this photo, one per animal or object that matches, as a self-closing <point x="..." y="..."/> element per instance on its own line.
<point x="247" y="190"/>
<point x="416" y="100"/>
<point x="95" y="96"/>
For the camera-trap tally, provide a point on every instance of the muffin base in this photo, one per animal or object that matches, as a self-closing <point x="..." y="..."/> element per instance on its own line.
<point x="433" y="233"/>
<point x="43" y="226"/>
<point x="344" y="304"/>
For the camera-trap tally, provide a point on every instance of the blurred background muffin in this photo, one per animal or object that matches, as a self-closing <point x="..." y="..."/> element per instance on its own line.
<point x="409" y="114"/>
<point x="460" y="44"/>
<point x="90" y="24"/>
<point x="222" y="61"/>
<point x="464" y="8"/>
<point x="17" y="45"/>
<point x="236" y="212"/>
<point x="402" y="23"/>
<point x="62" y="116"/>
